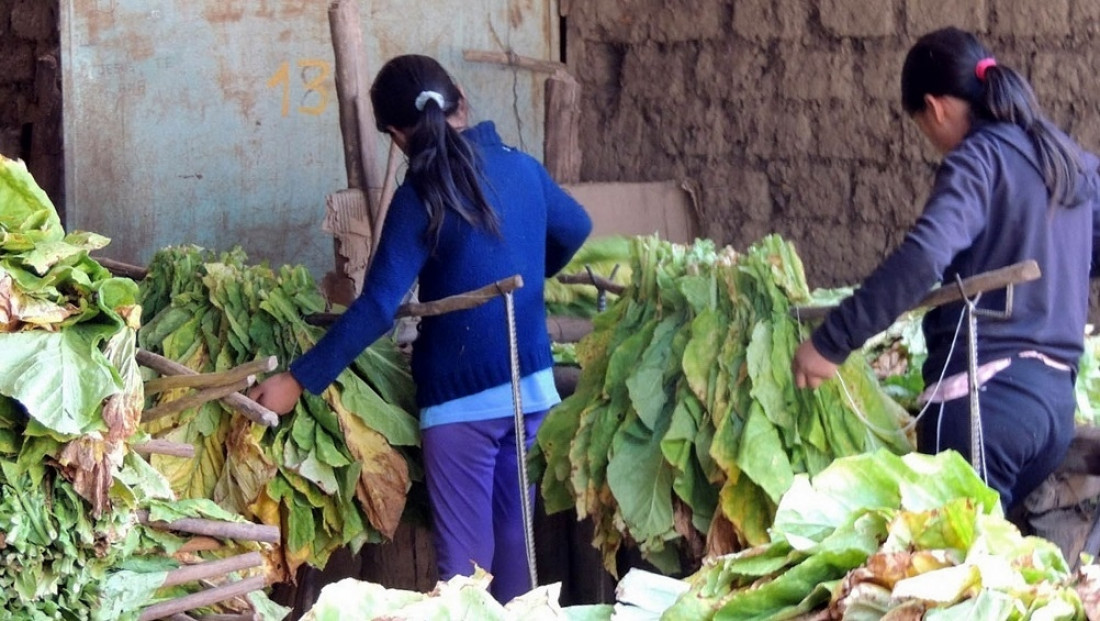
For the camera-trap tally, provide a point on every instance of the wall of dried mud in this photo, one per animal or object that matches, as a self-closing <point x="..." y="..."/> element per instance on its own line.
<point x="786" y="112"/>
<point x="30" y="90"/>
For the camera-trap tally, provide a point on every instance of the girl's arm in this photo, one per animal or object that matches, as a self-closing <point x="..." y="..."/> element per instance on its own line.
<point x="567" y="224"/>
<point x="955" y="214"/>
<point x="401" y="254"/>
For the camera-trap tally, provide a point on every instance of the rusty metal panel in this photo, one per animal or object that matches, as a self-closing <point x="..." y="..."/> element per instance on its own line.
<point x="215" y="122"/>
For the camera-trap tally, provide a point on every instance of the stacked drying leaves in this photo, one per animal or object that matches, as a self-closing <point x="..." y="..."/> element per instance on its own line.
<point x="337" y="469"/>
<point x="879" y="536"/>
<point x="685" y="428"/>
<point x="70" y="401"/>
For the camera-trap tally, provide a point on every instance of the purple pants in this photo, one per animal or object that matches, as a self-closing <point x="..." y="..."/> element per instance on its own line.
<point x="473" y="488"/>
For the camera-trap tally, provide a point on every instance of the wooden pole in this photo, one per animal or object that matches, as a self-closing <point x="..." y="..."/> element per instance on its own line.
<point x="584" y="278"/>
<point x="202" y="598"/>
<point x="196" y="399"/>
<point x="1024" y="271"/>
<point x="118" y="268"/>
<point x="212" y="569"/>
<point x="245" y="531"/>
<point x="347" y="44"/>
<point x="246" y="407"/>
<point x="210" y="380"/>
<point x="461" y="301"/>
<point x="511" y="59"/>
<point x="157" y="446"/>
<point x="561" y="144"/>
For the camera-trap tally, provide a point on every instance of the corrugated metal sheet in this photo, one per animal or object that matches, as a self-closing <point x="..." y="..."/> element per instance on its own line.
<point x="215" y="122"/>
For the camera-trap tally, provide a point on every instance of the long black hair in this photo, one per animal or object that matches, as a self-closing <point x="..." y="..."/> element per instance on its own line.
<point x="945" y="62"/>
<point x="414" y="94"/>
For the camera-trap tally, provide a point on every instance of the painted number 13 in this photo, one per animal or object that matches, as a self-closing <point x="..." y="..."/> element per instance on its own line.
<point x="315" y="75"/>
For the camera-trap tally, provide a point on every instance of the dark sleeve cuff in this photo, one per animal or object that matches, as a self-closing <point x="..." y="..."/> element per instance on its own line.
<point x="312" y="377"/>
<point x="828" y="346"/>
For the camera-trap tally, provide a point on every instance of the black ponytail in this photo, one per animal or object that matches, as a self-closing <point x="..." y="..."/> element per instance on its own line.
<point x="946" y="62"/>
<point x="416" y="95"/>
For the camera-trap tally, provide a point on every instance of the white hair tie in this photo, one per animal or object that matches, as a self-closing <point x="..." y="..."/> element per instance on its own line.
<point x="424" y="96"/>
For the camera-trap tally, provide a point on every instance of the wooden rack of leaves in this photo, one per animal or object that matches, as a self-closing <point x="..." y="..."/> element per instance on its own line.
<point x="336" y="470"/>
<point x="685" y="428"/>
<point x="88" y="529"/>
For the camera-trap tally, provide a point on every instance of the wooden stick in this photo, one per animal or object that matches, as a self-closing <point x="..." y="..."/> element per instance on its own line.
<point x="389" y="186"/>
<point x="209" y="380"/>
<point x="243" y="405"/>
<point x="196" y="399"/>
<point x="118" y="268"/>
<point x="583" y="278"/>
<point x="213" y="569"/>
<point x="1024" y="271"/>
<point x="461" y="301"/>
<point x="245" y="531"/>
<point x="511" y="59"/>
<point x="203" y="598"/>
<point x="199" y="544"/>
<point x="156" y="446"/>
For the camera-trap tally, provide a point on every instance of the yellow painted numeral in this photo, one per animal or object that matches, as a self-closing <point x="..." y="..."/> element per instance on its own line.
<point x="315" y="76"/>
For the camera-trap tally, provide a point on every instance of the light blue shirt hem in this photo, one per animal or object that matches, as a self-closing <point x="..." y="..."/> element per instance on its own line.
<point x="538" y="392"/>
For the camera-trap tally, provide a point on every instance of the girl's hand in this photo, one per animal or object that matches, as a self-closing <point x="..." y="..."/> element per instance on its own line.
<point x="277" y="393"/>
<point x="810" y="368"/>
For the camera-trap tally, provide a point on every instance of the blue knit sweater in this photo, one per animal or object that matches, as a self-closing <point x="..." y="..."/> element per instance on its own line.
<point x="463" y="352"/>
<point x="989" y="208"/>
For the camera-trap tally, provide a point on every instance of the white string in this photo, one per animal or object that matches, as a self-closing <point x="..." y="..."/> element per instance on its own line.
<point x="916" y="419"/>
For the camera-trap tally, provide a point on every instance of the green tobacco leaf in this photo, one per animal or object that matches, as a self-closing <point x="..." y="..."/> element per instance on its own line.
<point x="762" y="455"/>
<point x="641" y="479"/>
<point x="24" y="206"/>
<point x="61" y="378"/>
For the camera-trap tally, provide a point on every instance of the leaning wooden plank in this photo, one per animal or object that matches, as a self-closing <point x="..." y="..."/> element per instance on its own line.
<point x="202" y="598"/>
<point x="196" y="399"/>
<point x="209" y="380"/>
<point x="211" y="569"/>
<point x="246" y="407"/>
<point x="244" y="531"/>
<point x="157" y="446"/>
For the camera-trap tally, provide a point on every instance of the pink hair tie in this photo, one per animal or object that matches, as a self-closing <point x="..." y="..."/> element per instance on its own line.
<point x="983" y="65"/>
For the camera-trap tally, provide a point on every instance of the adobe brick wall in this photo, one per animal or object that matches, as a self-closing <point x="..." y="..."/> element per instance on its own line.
<point x="786" y="112"/>
<point x="30" y="90"/>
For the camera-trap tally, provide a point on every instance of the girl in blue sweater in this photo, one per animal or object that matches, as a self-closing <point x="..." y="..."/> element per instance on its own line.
<point x="471" y="211"/>
<point x="1011" y="187"/>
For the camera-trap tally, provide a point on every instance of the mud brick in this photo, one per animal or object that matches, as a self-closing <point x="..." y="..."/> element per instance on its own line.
<point x="818" y="75"/>
<point x="850" y="18"/>
<point x="770" y="19"/>
<point x="923" y="16"/>
<point x="1032" y="18"/>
